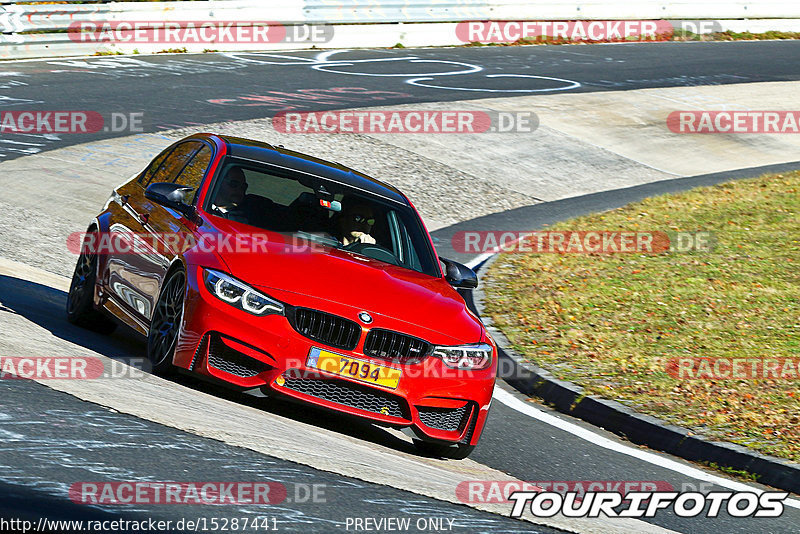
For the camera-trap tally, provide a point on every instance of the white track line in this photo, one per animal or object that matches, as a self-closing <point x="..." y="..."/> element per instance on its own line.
<point x="526" y="409"/>
<point x="480" y="259"/>
<point x="514" y="403"/>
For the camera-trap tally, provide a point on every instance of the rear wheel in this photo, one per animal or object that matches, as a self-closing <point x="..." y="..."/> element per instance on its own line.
<point x="441" y="450"/>
<point x="166" y="322"/>
<point x="80" y="299"/>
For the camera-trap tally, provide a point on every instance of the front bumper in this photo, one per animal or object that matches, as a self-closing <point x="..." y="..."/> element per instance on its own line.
<point x="436" y="402"/>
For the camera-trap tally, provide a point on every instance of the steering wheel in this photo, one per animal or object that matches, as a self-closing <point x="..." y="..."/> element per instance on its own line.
<point x="372" y="251"/>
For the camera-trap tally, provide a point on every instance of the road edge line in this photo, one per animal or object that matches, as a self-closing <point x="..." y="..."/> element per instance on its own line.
<point x="622" y="420"/>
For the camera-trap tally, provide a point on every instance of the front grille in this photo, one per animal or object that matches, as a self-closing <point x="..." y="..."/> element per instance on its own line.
<point x="329" y="329"/>
<point x="224" y="358"/>
<point x="352" y="395"/>
<point x="395" y="346"/>
<point x="444" y="418"/>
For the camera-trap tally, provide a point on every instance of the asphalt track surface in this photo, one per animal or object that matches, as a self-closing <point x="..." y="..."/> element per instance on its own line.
<point x="53" y="440"/>
<point x="180" y="90"/>
<point x="174" y="91"/>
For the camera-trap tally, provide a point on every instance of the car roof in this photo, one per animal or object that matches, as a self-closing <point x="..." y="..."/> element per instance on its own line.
<point x="278" y="155"/>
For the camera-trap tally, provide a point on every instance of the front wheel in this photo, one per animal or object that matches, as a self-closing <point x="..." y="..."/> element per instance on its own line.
<point x="80" y="299"/>
<point x="166" y="322"/>
<point x="440" y="450"/>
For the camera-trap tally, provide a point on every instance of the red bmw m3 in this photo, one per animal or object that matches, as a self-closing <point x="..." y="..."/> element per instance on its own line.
<point x="277" y="273"/>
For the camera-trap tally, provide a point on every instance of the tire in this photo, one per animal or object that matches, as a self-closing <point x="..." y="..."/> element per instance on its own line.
<point x="80" y="299"/>
<point x="165" y="323"/>
<point x="441" y="450"/>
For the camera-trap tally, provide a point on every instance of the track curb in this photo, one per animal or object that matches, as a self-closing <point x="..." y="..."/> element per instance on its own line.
<point x="641" y="429"/>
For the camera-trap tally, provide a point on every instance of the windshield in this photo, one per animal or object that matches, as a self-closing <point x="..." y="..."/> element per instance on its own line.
<point x="331" y="214"/>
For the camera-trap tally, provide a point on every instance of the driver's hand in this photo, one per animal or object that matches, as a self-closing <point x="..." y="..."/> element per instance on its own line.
<point x="364" y="238"/>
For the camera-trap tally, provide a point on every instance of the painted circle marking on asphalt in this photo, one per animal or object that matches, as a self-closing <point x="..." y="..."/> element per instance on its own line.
<point x="247" y="56"/>
<point x="327" y="67"/>
<point x="571" y="84"/>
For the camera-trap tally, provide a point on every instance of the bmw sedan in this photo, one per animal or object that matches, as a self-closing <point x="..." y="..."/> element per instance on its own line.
<point x="280" y="274"/>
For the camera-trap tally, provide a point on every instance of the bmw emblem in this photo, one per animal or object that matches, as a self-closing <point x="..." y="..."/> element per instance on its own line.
<point x="365" y="317"/>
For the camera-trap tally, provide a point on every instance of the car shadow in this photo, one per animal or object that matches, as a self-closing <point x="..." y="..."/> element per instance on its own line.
<point x="45" y="307"/>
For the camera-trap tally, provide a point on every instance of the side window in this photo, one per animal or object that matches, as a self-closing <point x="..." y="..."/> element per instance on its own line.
<point x="148" y="174"/>
<point x="402" y="243"/>
<point x="176" y="161"/>
<point x="192" y="174"/>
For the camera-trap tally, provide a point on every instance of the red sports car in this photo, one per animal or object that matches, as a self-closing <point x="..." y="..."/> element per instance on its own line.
<point x="275" y="272"/>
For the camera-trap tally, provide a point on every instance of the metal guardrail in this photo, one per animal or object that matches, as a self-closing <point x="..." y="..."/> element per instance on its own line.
<point x="16" y="17"/>
<point x="50" y="21"/>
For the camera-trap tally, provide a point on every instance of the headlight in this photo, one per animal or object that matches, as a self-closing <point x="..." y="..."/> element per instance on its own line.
<point x="239" y="294"/>
<point x="465" y="356"/>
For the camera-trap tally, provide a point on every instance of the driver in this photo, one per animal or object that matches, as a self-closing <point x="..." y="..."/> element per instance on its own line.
<point x="355" y="223"/>
<point x="230" y="199"/>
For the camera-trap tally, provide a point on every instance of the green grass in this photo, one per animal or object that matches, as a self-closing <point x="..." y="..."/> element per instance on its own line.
<point x="183" y="50"/>
<point x="739" y="473"/>
<point x="612" y="322"/>
<point x="676" y="35"/>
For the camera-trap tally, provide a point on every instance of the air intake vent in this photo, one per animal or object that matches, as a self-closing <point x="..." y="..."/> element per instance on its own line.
<point x="348" y="394"/>
<point x="444" y="418"/>
<point x="395" y="346"/>
<point x="224" y="358"/>
<point x="329" y="329"/>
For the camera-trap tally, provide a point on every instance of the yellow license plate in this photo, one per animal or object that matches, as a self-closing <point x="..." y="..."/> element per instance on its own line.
<point x="354" y="368"/>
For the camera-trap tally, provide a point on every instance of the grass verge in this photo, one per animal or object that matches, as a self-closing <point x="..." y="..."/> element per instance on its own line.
<point x="677" y="35"/>
<point x="613" y="322"/>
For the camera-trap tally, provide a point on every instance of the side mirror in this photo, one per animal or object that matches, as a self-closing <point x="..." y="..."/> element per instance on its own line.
<point x="170" y="195"/>
<point x="459" y="275"/>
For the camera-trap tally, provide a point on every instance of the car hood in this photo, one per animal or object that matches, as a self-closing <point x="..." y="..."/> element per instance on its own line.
<point x="358" y="283"/>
